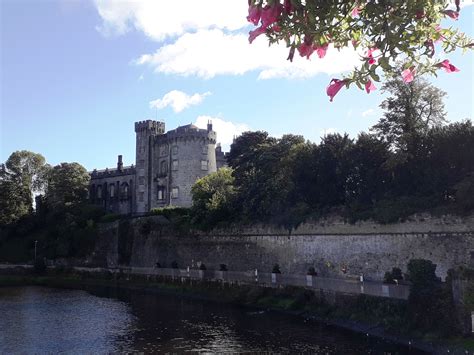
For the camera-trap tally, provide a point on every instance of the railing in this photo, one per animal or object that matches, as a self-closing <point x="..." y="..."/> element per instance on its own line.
<point x="349" y="286"/>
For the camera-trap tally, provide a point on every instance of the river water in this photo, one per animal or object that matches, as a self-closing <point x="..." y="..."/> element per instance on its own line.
<point x="46" y="320"/>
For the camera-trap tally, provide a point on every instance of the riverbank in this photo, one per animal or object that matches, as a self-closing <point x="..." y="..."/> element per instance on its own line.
<point x="371" y="316"/>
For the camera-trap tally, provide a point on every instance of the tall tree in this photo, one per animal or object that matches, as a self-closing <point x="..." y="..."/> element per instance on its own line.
<point x="68" y="184"/>
<point x="21" y="177"/>
<point x="411" y="110"/>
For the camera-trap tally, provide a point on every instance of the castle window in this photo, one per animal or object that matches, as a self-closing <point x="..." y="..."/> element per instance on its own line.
<point x="204" y="164"/>
<point x="141" y="195"/>
<point x="112" y="191"/>
<point x="124" y="191"/>
<point x="164" y="167"/>
<point x="99" y="191"/>
<point x="175" y="165"/>
<point x="141" y="163"/>
<point x="141" y="180"/>
<point x="161" y="193"/>
<point x="175" y="149"/>
<point x="204" y="149"/>
<point x="175" y="192"/>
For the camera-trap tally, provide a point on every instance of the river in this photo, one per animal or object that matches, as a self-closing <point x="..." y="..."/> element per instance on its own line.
<point x="47" y="320"/>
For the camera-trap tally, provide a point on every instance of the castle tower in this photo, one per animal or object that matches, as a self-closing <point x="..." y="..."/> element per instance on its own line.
<point x="145" y="132"/>
<point x="182" y="156"/>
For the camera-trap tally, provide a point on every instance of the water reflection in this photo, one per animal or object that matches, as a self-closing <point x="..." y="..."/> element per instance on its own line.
<point x="43" y="320"/>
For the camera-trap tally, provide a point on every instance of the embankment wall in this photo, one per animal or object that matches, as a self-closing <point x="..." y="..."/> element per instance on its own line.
<point x="333" y="247"/>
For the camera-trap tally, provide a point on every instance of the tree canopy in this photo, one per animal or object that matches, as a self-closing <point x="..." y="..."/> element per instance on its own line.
<point x="383" y="32"/>
<point x="68" y="184"/>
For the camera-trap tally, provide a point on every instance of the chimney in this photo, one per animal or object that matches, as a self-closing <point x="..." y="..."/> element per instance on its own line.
<point x="119" y="163"/>
<point x="209" y="126"/>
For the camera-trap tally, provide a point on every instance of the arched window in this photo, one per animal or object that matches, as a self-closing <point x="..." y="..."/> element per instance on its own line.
<point x="112" y="190"/>
<point x="124" y="190"/>
<point x="99" y="191"/>
<point x="163" y="167"/>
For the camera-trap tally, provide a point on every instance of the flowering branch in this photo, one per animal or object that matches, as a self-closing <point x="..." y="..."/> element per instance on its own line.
<point x="385" y="31"/>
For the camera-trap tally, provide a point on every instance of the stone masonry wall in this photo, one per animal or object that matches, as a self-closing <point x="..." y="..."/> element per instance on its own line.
<point x="330" y="246"/>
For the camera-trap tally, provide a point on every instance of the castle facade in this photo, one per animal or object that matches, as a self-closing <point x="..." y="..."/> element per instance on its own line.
<point x="166" y="167"/>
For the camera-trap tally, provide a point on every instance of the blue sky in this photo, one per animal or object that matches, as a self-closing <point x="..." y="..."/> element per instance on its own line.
<point x="77" y="74"/>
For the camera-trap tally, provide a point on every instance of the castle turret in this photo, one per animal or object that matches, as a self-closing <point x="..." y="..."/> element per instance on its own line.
<point x="145" y="131"/>
<point x="119" y="163"/>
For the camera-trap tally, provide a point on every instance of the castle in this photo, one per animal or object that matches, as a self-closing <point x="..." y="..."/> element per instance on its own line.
<point x="166" y="167"/>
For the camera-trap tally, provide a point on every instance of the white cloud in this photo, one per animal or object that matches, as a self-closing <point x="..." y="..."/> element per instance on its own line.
<point x="178" y="100"/>
<point x="369" y="112"/>
<point x="208" y="53"/>
<point x="160" y="19"/>
<point x="226" y="130"/>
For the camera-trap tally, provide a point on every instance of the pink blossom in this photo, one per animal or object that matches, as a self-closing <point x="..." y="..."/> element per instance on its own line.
<point x="370" y="56"/>
<point x="420" y="14"/>
<point x="288" y="7"/>
<point x="369" y="87"/>
<point x="356" y="10"/>
<point x="448" y="67"/>
<point x="333" y="88"/>
<point x="254" y="14"/>
<point x="305" y="50"/>
<point x="321" y="51"/>
<point x="255" y="33"/>
<point x="408" y="75"/>
<point x="270" y="14"/>
<point x="451" y="13"/>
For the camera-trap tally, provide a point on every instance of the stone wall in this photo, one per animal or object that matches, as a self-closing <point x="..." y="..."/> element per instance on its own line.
<point x="333" y="247"/>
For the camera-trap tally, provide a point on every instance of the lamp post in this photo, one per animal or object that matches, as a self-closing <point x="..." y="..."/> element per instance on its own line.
<point x="36" y="242"/>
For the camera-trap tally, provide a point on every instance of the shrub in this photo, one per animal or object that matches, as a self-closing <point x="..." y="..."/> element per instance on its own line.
<point x="202" y="267"/>
<point x="174" y="265"/>
<point x="395" y="274"/>
<point x="222" y="267"/>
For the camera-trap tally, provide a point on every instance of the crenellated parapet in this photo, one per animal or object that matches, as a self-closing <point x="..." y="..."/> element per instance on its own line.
<point x="154" y="127"/>
<point x="106" y="173"/>
<point x="188" y="133"/>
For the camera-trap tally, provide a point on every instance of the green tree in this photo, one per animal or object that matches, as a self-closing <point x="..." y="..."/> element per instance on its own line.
<point x="213" y="197"/>
<point x="410" y="111"/>
<point x="68" y="185"/>
<point x="21" y="177"/>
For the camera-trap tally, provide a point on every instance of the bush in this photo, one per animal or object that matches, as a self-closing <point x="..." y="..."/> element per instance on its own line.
<point x="174" y="265"/>
<point x="395" y="274"/>
<point x="276" y="269"/>
<point x="110" y="217"/>
<point x="222" y="267"/>
<point x="202" y="267"/>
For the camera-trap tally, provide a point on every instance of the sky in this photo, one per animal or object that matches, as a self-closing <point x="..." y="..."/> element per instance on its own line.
<point x="76" y="75"/>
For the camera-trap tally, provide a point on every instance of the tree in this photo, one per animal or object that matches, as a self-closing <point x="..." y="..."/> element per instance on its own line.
<point x="68" y="185"/>
<point x="213" y="196"/>
<point x="384" y="31"/>
<point x="21" y="177"/>
<point x="411" y="111"/>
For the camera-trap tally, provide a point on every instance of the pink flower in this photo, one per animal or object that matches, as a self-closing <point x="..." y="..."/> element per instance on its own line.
<point x="447" y="66"/>
<point x="255" y="33"/>
<point x="451" y="13"/>
<point x="370" y="57"/>
<point x="305" y="49"/>
<point x="369" y="87"/>
<point x="333" y="88"/>
<point x="270" y="14"/>
<point x="420" y="14"/>
<point x="356" y="10"/>
<point x="288" y="7"/>
<point x="408" y="75"/>
<point x="254" y="14"/>
<point x="321" y="51"/>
